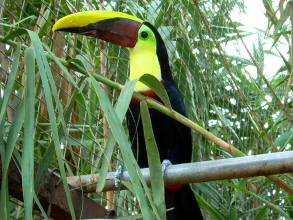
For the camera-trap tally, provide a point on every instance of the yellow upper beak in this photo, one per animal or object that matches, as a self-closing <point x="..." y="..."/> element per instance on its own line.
<point x="111" y="26"/>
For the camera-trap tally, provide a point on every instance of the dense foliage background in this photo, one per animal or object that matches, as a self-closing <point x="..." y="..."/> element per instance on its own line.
<point x="236" y="81"/>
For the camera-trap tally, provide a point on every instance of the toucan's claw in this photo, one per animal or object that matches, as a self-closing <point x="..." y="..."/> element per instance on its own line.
<point x="119" y="175"/>
<point x="165" y="163"/>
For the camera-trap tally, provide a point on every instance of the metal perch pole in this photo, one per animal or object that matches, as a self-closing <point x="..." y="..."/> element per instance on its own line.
<point x="249" y="166"/>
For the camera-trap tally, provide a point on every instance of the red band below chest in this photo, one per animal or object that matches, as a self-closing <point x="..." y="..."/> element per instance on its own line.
<point x="148" y="93"/>
<point x="174" y="187"/>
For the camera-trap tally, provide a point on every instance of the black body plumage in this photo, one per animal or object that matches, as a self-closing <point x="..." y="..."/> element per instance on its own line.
<point x="173" y="139"/>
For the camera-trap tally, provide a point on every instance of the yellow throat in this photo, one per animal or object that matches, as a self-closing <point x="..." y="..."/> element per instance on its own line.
<point x="143" y="58"/>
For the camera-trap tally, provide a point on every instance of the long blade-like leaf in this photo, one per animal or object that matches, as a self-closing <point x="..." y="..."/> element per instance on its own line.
<point x="120" y="109"/>
<point x="27" y="164"/>
<point x="120" y="136"/>
<point x="48" y="80"/>
<point x="153" y="155"/>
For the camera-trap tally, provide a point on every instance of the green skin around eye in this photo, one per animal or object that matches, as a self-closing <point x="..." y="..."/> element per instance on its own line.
<point x="144" y="33"/>
<point x="146" y="62"/>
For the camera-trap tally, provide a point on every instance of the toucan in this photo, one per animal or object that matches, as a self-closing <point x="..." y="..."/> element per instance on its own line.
<point x="148" y="55"/>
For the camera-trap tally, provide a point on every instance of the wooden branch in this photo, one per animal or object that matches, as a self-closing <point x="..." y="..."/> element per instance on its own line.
<point x="53" y="198"/>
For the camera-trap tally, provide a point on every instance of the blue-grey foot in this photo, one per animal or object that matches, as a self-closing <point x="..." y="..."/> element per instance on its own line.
<point x="118" y="175"/>
<point x="165" y="163"/>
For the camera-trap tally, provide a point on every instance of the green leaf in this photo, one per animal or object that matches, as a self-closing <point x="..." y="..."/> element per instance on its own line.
<point x="154" y="162"/>
<point x="261" y="215"/>
<point x="121" y="108"/>
<point x="153" y="83"/>
<point x="49" y="91"/>
<point x="284" y="138"/>
<point x="129" y="160"/>
<point x="27" y="164"/>
<point x="15" y="34"/>
<point x="211" y="209"/>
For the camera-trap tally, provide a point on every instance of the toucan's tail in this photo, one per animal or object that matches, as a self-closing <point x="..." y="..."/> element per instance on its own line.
<point x="181" y="204"/>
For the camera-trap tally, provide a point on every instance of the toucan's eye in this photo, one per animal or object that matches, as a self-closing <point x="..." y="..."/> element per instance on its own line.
<point x="144" y="35"/>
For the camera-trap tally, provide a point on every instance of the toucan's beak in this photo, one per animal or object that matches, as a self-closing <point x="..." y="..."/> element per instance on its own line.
<point x="111" y="26"/>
